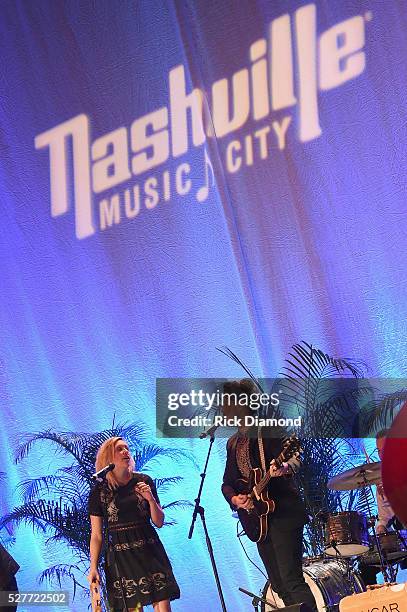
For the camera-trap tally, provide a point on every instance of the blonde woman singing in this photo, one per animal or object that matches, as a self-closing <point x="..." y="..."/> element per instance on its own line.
<point x="127" y="504"/>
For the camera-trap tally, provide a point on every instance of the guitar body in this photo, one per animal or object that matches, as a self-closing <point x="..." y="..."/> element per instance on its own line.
<point x="255" y="520"/>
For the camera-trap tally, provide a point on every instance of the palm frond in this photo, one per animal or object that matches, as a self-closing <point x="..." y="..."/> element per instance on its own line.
<point x="7" y="540"/>
<point x="365" y="501"/>
<point x="306" y="361"/>
<point x="152" y="452"/>
<point x="229" y="353"/>
<point x="304" y="367"/>
<point x="30" y="514"/>
<point x="82" y="446"/>
<point x="81" y="475"/>
<point x="67" y="523"/>
<point x="33" y="487"/>
<point x="381" y="413"/>
<point x="179" y="503"/>
<point x="56" y="574"/>
<point x="162" y="484"/>
<point x="73" y="484"/>
<point x="69" y="443"/>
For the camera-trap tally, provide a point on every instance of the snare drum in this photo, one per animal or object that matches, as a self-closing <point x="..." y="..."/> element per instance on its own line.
<point x="328" y="582"/>
<point x="346" y="534"/>
<point x="394" y="548"/>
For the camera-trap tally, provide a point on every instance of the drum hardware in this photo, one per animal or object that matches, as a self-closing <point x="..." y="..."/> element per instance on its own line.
<point x="257" y="600"/>
<point x="388" y="571"/>
<point x="362" y="477"/>
<point x="301" y="607"/>
<point x="393" y="545"/>
<point x="401" y="534"/>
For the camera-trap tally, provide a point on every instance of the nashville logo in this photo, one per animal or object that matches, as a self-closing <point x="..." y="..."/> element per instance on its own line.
<point x="286" y="69"/>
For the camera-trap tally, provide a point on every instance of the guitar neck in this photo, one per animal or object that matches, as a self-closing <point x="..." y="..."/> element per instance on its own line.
<point x="267" y="477"/>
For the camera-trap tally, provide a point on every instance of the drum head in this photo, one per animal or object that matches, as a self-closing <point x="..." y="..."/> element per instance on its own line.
<point x="346" y="550"/>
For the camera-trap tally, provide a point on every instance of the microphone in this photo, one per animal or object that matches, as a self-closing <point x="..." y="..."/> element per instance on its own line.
<point x="208" y="432"/>
<point x="101" y="474"/>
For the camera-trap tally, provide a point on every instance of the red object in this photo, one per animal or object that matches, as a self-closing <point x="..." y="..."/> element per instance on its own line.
<point x="394" y="465"/>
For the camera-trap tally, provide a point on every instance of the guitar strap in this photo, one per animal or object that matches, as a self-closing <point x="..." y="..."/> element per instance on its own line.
<point x="243" y="460"/>
<point x="261" y="450"/>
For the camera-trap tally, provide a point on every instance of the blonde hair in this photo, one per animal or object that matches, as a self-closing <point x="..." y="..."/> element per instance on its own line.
<point x="105" y="455"/>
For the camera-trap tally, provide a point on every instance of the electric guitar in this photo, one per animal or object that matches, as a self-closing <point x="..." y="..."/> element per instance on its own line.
<point x="96" y="596"/>
<point x="255" y="519"/>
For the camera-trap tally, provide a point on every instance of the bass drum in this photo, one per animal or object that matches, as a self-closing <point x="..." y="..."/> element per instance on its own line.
<point x="328" y="583"/>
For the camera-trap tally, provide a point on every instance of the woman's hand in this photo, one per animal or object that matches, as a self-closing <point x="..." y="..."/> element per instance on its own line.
<point x="93" y="576"/>
<point x="95" y="547"/>
<point x="144" y="490"/>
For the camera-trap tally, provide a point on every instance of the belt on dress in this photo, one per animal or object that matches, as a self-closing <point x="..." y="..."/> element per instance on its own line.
<point x="124" y="526"/>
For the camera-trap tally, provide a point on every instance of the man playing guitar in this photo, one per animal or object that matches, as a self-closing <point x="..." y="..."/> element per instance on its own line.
<point x="280" y="542"/>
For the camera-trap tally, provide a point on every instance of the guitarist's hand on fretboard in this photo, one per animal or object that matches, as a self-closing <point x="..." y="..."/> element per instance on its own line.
<point x="279" y="471"/>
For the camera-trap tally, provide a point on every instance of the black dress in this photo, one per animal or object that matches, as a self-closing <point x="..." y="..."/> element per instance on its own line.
<point x="140" y="556"/>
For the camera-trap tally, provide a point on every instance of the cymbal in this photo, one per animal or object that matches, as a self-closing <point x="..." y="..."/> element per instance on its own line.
<point x="357" y="477"/>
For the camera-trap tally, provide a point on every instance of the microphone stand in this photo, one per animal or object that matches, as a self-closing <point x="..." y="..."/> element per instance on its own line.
<point x="111" y="548"/>
<point x="256" y="600"/>
<point x="385" y="566"/>
<point x="402" y="539"/>
<point x="299" y="607"/>
<point x="199" y="510"/>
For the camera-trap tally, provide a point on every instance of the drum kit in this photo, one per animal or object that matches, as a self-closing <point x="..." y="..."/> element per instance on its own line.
<point x="333" y="575"/>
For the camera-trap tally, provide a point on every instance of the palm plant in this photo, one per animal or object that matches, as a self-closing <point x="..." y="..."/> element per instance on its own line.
<point x="6" y="538"/>
<point x="325" y="392"/>
<point x="380" y="414"/>
<point x="56" y="504"/>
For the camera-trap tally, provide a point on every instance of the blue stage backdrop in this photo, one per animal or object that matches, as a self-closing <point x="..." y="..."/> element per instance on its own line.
<point x="182" y="175"/>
